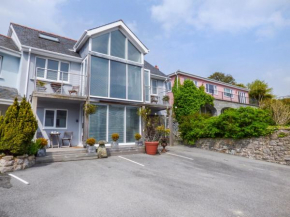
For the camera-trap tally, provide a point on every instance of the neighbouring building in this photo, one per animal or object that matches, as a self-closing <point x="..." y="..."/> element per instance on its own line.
<point x="58" y="75"/>
<point x="225" y="95"/>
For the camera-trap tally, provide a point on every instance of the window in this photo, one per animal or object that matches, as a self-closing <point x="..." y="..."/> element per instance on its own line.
<point x="242" y="97"/>
<point x="212" y="89"/>
<point x="154" y="86"/>
<point x="133" y="53"/>
<point x="47" y="37"/>
<point x="195" y="82"/>
<point x="168" y="86"/>
<point x="51" y="69"/>
<point x="1" y="58"/>
<point x="101" y="44"/>
<point x="147" y="85"/>
<point x="99" y="77"/>
<point x="55" y="118"/>
<point x="118" y="80"/>
<point x="228" y="92"/>
<point x="118" y="41"/>
<point x="134" y="82"/>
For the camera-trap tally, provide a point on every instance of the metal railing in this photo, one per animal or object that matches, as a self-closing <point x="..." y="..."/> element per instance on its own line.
<point x="155" y="95"/>
<point x="59" y="82"/>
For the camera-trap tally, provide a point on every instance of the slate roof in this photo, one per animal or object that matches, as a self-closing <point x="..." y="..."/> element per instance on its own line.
<point x="153" y="70"/>
<point x="7" y="43"/>
<point x="30" y="37"/>
<point x="9" y="93"/>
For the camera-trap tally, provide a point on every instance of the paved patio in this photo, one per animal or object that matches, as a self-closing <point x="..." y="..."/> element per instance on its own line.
<point x="183" y="182"/>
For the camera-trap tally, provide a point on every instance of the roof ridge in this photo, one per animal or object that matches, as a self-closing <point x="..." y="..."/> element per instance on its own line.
<point x="43" y="31"/>
<point x="5" y="36"/>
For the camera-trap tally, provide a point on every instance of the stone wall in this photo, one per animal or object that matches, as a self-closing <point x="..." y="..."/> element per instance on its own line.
<point x="273" y="148"/>
<point x="10" y="163"/>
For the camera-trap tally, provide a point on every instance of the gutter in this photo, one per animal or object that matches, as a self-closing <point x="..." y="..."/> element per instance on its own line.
<point x="27" y="72"/>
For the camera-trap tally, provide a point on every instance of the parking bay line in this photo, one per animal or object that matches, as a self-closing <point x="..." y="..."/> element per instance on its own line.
<point x="180" y="156"/>
<point x="131" y="161"/>
<point x="27" y="183"/>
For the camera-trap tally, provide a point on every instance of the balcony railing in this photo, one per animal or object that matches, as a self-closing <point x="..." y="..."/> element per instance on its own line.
<point x="59" y="82"/>
<point x="155" y="95"/>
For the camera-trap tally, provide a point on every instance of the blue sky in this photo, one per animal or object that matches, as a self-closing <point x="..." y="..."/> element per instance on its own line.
<point x="248" y="39"/>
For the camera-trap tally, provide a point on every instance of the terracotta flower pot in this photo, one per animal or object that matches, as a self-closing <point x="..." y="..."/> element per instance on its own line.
<point x="151" y="147"/>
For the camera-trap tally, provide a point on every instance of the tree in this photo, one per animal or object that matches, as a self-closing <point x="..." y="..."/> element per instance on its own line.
<point x="219" y="76"/>
<point x="259" y="90"/>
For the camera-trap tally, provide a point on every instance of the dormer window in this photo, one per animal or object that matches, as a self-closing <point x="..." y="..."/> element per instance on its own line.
<point x="47" y="37"/>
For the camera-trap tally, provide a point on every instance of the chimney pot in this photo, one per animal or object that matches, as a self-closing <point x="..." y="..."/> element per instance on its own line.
<point x="156" y="67"/>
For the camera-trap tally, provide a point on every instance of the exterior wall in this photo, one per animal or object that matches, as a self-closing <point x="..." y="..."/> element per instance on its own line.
<point x="23" y="74"/>
<point x="85" y="50"/>
<point x="9" y="74"/>
<point x="3" y="109"/>
<point x="72" y="118"/>
<point x="269" y="148"/>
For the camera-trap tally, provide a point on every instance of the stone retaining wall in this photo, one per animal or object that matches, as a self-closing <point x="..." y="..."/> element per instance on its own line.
<point x="10" y="163"/>
<point x="271" y="148"/>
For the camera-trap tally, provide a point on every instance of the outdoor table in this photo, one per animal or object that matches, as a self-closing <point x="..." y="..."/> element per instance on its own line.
<point x="56" y="136"/>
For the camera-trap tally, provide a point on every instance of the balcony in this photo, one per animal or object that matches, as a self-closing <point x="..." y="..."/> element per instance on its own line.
<point x="59" y="84"/>
<point x="155" y="96"/>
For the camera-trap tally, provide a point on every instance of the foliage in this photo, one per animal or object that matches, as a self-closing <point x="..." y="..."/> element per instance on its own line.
<point x="241" y="85"/>
<point x="90" y="109"/>
<point x="260" y="91"/>
<point x="102" y="142"/>
<point x="115" y="136"/>
<point x="17" y="128"/>
<point x="40" y="83"/>
<point x="188" y="99"/>
<point x="239" y="123"/>
<point x="42" y="142"/>
<point x="282" y="135"/>
<point x="137" y="136"/>
<point x="33" y="147"/>
<point x="163" y="133"/>
<point x="165" y="98"/>
<point x="219" y="76"/>
<point x="91" y="141"/>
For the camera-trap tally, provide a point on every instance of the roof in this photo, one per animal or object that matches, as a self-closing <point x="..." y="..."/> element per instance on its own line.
<point x="30" y="37"/>
<point x="9" y="93"/>
<point x="7" y="42"/>
<point x="153" y="70"/>
<point x="208" y="79"/>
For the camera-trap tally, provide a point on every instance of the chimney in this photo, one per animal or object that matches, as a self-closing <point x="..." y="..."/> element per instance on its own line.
<point x="156" y="67"/>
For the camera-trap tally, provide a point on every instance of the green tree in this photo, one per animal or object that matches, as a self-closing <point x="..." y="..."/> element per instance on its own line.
<point x="259" y="90"/>
<point x="219" y="76"/>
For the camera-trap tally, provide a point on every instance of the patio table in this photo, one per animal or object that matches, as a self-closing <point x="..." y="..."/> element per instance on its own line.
<point x="56" y="136"/>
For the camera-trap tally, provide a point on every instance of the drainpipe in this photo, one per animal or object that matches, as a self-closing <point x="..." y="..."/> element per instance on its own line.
<point x="27" y="73"/>
<point x="176" y="79"/>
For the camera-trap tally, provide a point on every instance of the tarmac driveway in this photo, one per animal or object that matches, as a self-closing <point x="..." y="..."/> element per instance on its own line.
<point x="183" y="182"/>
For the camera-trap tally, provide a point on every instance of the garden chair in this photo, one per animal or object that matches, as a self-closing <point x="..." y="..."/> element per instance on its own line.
<point x="56" y="87"/>
<point x="154" y="99"/>
<point x="67" y="137"/>
<point x="75" y="89"/>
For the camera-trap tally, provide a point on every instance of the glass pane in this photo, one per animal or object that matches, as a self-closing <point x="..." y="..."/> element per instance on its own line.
<point x="63" y="71"/>
<point x="154" y="86"/>
<point x="98" y="123"/>
<point x="118" y="80"/>
<point x="118" y="44"/>
<point x="99" y="77"/>
<point x="49" y="118"/>
<point x="116" y="122"/>
<point x="133" y="53"/>
<point x="40" y="65"/>
<point x="134" y="82"/>
<point x="53" y="65"/>
<point x="61" y="118"/>
<point x="147" y="85"/>
<point x="101" y="43"/>
<point x="132" y="123"/>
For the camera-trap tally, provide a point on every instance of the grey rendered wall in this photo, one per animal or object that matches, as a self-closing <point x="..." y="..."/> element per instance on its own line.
<point x="85" y="49"/>
<point x="73" y="115"/>
<point x="9" y="75"/>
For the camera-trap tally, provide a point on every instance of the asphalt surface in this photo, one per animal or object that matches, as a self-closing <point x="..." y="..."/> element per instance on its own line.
<point x="202" y="184"/>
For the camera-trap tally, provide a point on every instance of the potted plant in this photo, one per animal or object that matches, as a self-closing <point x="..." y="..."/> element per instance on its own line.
<point x="165" y="99"/>
<point x="102" y="151"/>
<point x="137" y="137"/>
<point x="41" y="143"/>
<point x="115" y="137"/>
<point x="90" y="109"/>
<point x="164" y="133"/>
<point x="40" y="85"/>
<point x="91" y="145"/>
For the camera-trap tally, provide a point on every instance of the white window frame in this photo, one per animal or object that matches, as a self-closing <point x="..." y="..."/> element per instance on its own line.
<point x="167" y="85"/>
<point x="54" y="119"/>
<point x="149" y="87"/>
<point x="242" y="97"/>
<point x="154" y="94"/>
<point x="214" y="88"/>
<point x="58" y="70"/>
<point x="230" y="92"/>
<point x="1" y="60"/>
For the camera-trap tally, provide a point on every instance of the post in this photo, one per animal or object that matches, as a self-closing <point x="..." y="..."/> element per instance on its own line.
<point x="34" y="109"/>
<point x="171" y="137"/>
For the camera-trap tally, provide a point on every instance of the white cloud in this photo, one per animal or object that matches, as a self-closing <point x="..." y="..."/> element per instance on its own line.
<point x="133" y="26"/>
<point x="263" y="16"/>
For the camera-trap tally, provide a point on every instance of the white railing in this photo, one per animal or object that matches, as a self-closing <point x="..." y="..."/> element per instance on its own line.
<point x="155" y="95"/>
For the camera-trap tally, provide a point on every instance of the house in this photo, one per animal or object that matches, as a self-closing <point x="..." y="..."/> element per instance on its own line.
<point x="59" y="75"/>
<point x="225" y="95"/>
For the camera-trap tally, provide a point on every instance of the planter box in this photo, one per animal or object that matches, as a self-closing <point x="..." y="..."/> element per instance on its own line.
<point x="91" y="149"/>
<point x="41" y="152"/>
<point x="115" y="144"/>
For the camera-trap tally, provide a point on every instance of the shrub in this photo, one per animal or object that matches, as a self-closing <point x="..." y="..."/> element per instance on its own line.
<point x="165" y="98"/>
<point x="42" y="142"/>
<point x="115" y="136"/>
<point x="91" y="141"/>
<point x="90" y="109"/>
<point x="33" y="148"/>
<point x="137" y="136"/>
<point x="282" y="135"/>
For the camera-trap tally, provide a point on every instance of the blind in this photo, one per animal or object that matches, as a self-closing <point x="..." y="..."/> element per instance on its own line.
<point x="134" y="82"/>
<point x="118" y="80"/>
<point x="133" y="53"/>
<point x="116" y="122"/>
<point x="118" y="44"/>
<point x="41" y="64"/>
<point x="147" y="85"/>
<point x="132" y="123"/>
<point x="53" y="65"/>
<point x="98" y="123"/>
<point x="101" y="43"/>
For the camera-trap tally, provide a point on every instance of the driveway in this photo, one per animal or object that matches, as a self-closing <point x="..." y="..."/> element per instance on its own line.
<point x="183" y="182"/>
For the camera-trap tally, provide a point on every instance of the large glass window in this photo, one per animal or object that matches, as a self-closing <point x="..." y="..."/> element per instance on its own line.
<point x="134" y="82"/>
<point x="55" y="118"/>
<point x="133" y="53"/>
<point x="99" y="77"/>
<point x="118" y="80"/>
<point x="147" y="85"/>
<point x="228" y="92"/>
<point x="154" y="86"/>
<point x="98" y="124"/>
<point x="132" y="123"/>
<point x="52" y="71"/>
<point x="118" y="41"/>
<point x="40" y="67"/>
<point x="210" y="88"/>
<point x="116" y="122"/>
<point x="101" y="43"/>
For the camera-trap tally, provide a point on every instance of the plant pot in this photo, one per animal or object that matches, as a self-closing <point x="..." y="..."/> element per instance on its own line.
<point x="151" y="147"/>
<point x="115" y="144"/>
<point x="41" y="152"/>
<point x="91" y="149"/>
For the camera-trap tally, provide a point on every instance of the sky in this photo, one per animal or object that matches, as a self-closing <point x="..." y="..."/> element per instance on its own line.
<point x="248" y="39"/>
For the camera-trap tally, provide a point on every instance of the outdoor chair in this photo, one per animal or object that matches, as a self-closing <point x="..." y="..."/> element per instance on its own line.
<point x="67" y="137"/>
<point x="154" y="99"/>
<point x="75" y="89"/>
<point x="56" y="87"/>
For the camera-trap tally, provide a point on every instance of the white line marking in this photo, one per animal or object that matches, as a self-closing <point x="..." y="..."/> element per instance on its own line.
<point x="27" y="183"/>
<point x="181" y="156"/>
<point x="131" y="161"/>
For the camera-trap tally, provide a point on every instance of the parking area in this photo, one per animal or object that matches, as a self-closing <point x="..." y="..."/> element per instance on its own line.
<point x="184" y="182"/>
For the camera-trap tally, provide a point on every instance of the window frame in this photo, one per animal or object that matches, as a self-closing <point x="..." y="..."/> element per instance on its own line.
<point x="46" y="69"/>
<point x="151" y="93"/>
<point x="1" y="60"/>
<point x="231" y="93"/>
<point x="54" y="119"/>
<point x="214" y="88"/>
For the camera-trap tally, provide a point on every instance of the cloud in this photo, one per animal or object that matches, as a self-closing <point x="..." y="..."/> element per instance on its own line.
<point x="265" y="17"/>
<point x="133" y="26"/>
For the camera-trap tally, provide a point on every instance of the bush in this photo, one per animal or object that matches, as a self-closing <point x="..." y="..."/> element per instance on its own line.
<point x="91" y="141"/>
<point x="137" y="136"/>
<point x="42" y="142"/>
<point x="115" y="136"/>
<point x="33" y="148"/>
<point x="282" y="135"/>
